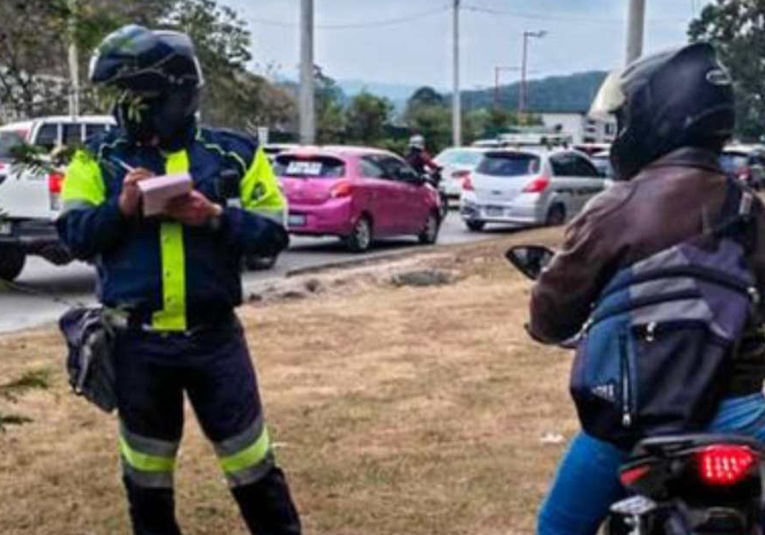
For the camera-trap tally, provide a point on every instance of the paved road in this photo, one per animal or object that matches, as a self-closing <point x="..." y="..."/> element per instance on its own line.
<point x="76" y="281"/>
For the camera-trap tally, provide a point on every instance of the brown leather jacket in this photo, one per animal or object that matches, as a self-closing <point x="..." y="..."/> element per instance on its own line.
<point x="665" y="204"/>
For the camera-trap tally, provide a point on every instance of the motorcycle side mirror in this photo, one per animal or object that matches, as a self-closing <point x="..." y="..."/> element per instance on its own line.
<point x="529" y="259"/>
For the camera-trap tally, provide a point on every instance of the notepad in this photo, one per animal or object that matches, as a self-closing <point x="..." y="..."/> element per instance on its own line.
<point x="158" y="191"/>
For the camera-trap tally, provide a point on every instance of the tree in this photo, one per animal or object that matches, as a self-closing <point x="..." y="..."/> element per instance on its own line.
<point x="366" y="117"/>
<point x="329" y="108"/>
<point x="425" y="96"/>
<point x="427" y="114"/>
<point x="737" y="29"/>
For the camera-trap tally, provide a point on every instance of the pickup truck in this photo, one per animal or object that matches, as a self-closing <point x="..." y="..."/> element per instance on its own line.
<point x="30" y="200"/>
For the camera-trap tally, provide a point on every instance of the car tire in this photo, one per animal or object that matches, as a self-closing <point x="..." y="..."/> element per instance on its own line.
<point x="556" y="216"/>
<point x="475" y="226"/>
<point x="360" y="239"/>
<point x="429" y="235"/>
<point x="260" y="263"/>
<point x="12" y="262"/>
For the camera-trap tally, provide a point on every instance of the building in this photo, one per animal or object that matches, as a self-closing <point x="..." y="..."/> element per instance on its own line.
<point x="581" y="128"/>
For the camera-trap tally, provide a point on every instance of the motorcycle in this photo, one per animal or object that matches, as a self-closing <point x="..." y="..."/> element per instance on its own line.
<point x="434" y="179"/>
<point x="694" y="484"/>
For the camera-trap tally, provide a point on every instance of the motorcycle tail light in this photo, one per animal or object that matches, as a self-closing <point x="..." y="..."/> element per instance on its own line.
<point x="628" y="477"/>
<point x="724" y="465"/>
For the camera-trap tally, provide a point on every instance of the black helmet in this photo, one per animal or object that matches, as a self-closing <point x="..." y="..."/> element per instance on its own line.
<point x="679" y="98"/>
<point x="160" y="78"/>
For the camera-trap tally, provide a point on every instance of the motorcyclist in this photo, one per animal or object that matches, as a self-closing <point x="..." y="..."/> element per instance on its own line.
<point x="674" y="112"/>
<point x="419" y="158"/>
<point x="176" y="278"/>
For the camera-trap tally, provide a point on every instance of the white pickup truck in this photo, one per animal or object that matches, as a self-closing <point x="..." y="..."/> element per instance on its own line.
<point x="30" y="201"/>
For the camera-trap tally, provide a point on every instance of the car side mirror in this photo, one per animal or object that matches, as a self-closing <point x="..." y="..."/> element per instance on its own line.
<point x="530" y="259"/>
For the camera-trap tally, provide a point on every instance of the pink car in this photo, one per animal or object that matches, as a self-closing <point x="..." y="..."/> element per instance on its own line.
<point x="357" y="194"/>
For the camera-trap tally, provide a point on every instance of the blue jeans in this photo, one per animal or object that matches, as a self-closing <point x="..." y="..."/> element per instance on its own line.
<point x="587" y="482"/>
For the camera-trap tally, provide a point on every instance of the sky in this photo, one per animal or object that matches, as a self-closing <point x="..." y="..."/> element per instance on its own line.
<point x="409" y="41"/>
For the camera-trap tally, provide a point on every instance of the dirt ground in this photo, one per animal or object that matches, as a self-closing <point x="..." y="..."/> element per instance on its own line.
<point x="395" y="410"/>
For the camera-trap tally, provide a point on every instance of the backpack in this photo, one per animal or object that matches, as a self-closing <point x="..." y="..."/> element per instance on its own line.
<point x="653" y="355"/>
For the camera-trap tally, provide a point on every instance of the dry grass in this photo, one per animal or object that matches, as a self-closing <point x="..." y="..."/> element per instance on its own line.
<point x="396" y="411"/>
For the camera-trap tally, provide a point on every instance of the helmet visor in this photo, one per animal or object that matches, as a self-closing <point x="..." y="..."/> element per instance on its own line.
<point x="610" y="97"/>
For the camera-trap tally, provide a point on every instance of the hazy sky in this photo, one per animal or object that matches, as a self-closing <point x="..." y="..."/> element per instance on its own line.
<point x="583" y="34"/>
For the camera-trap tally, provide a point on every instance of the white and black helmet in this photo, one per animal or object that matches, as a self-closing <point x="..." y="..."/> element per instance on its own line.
<point x="678" y="98"/>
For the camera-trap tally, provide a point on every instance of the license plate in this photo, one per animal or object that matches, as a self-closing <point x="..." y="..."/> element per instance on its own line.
<point x="5" y="228"/>
<point x="495" y="211"/>
<point x="296" y="220"/>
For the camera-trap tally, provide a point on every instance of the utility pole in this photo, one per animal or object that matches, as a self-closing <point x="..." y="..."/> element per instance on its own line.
<point x="635" y="29"/>
<point x="456" y="96"/>
<point x="74" y="65"/>
<point x="497" y="70"/>
<point x="307" y="97"/>
<point x="524" y="61"/>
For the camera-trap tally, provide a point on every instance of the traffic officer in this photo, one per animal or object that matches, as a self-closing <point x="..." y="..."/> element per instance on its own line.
<point x="176" y="278"/>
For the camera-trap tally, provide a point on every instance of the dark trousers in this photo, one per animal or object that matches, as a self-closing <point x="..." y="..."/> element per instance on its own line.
<point x="214" y="369"/>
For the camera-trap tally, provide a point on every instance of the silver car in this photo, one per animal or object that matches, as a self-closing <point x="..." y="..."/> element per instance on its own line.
<point x="457" y="164"/>
<point x="528" y="187"/>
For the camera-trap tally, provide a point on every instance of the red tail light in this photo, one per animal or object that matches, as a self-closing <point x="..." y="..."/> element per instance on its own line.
<point x="628" y="477"/>
<point x="467" y="183"/>
<point x="724" y="465"/>
<point x="55" y="181"/>
<point x="538" y="185"/>
<point x="341" y="189"/>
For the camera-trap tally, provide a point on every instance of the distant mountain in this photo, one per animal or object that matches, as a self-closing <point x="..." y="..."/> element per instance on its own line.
<point x="572" y="93"/>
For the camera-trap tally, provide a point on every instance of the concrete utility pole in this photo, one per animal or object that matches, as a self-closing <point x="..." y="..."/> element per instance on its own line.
<point x="74" y="66"/>
<point x="456" y="95"/>
<point x="307" y="98"/>
<point x="524" y="61"/>
<point x="635" y="30"/>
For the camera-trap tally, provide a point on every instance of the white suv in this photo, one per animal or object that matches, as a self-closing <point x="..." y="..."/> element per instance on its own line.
<point x="29" y="201"/>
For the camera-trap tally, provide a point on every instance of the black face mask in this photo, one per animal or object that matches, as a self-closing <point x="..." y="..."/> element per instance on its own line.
<point x="167" y="118"/>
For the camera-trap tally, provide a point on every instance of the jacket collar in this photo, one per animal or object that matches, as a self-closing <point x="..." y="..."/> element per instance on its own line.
<point x="689" y="157"/>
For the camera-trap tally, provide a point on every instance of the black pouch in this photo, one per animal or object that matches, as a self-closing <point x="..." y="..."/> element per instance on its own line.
<point x="89" y="335"/>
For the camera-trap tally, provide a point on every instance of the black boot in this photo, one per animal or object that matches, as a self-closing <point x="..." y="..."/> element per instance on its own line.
<point x="267" y="507"/>
<point x="152" y="511"/>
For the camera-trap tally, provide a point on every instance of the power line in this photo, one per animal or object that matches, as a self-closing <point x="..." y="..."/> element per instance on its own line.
<point x="356" y="25"/>
<point x="548" y="16"/>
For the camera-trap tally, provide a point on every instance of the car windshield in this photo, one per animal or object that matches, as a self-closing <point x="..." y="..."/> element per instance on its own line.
<point x="9" y="140"/>
<point x="297" y="166"/>
<point x="507" y="164"/>
<point x="732" y="161"/>
<point x="459" y="157"/>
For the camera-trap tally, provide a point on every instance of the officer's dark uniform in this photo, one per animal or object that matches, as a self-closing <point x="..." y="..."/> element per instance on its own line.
<point x="178" y="286"/>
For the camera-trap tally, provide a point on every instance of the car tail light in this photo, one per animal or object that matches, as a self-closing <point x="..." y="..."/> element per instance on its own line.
<point x="538" y="185"/>
<point x="55" y="181"/>
<point x="467" y="183"/>
<point x="628" y="477"/>
<point x="341" y="189"/>
<point x="723" y="465"/>
<point x="745" y="173"/>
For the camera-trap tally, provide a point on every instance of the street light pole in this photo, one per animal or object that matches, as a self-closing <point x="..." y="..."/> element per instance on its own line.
<point x="522" y="97"/>
<point x="74" y="66"/>
<point x="456" y="95"/>
<point x="497" y="70"/>
<point x="307" y="117"/>
<point x="635" y="30"/>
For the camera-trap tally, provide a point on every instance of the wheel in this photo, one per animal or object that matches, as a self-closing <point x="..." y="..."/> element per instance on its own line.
<point x="260" y="263"/>
<point x="556" y="216"/>
<point x="444" y="211"/>
<point x="429" y="234"/>
<point x="475" y="225"/>
<point x="12" y="262"/>
<point x="361" y="237"/>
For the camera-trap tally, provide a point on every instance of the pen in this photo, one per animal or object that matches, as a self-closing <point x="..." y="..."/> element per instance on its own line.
<point x="122" y="164"/>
